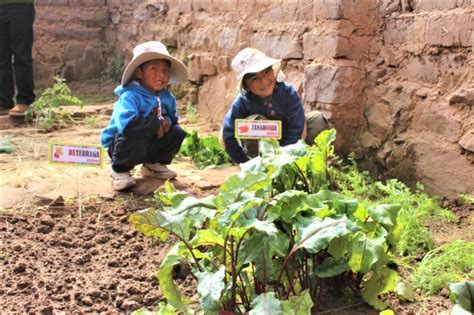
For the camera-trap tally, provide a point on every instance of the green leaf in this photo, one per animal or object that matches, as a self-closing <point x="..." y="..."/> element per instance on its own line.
<point x="207" y="237"/>
<point x="266" y="304"/>
<point x="463" y="294"/>
<point x="233" y="188"/>
<point x="383" y="280"/>
<point x="366" y="252"/>
<point x="317" y="235"/>
<point x="331" y="267"/>
<point x="289" y="203"/>
<point x="385" y="214"/>
<point x="165" y="309"/>
<point x="256" y="243"/>
<point x="458" y="310"/>
<point x="299" y="304"/>
<point x="210" y="286"/>
<point x="185" y="204"/>
<point x="404" y="290"/>
<point x="167" y="286"/>
<point x="147" y="222"/>
<point x="338" y="247"/>
<point x="142" y="311"/>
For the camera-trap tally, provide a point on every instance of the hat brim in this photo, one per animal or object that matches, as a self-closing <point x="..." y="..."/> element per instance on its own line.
<point x="263" y="64"/>
<point x="178" y="71"/>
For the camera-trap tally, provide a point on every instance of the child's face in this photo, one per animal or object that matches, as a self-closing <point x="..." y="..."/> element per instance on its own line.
<point x="154" y="74"/>
<point x="261" y="83"/>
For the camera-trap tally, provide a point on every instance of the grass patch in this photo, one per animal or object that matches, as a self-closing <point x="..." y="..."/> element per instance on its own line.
<point x="451" y="262"/>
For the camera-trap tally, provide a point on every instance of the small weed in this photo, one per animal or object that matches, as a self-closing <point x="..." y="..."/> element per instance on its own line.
<point x="191" y="113"/>
<point x="47" y="110"/>
<point x="91" y="121"/>
<point x="115" y="69"/>
<point x="468" y="199"/>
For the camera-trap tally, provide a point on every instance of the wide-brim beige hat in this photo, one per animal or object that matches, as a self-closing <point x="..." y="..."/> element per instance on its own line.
<point x="150" y="51"/>
<point x="252" y="60"/>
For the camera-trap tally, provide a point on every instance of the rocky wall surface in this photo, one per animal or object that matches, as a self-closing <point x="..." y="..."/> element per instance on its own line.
<point x="419" y="110"/>
<point x="69" y="40"/>
<point x="393" y="76"/>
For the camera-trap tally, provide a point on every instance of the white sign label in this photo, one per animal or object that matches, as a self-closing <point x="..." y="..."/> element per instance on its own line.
<point x="79" y="155"/>
<point x="257" y="129"/>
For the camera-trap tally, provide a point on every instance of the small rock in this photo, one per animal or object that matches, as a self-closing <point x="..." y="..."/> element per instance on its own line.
<point x="47" y="220"/>
<point x="19" y="268"/>
<point x="130" y="304"/>
<point x="47" y="310"/>
<point x="462" y="95"/>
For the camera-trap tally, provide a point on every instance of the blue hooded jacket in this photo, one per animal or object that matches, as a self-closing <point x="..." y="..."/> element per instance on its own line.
<point x="133" y="113"/>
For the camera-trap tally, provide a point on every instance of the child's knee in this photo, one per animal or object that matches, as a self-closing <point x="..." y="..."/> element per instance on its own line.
<point x="178" y="132"/>
<point x="315" y="122"/>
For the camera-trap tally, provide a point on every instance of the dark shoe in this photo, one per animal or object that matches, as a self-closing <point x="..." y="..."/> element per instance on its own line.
<point x="19" y="110"/>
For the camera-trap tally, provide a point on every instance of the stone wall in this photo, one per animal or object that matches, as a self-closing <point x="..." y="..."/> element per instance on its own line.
<point x="393" y="76"/>
<point x="70" y="39"/>
<point x="420" y="96"/>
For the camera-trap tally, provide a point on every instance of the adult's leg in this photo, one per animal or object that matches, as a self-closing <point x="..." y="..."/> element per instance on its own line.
<point x="6" y="73"/>
<point x="315" y="123"/>
<point x="164" y="149"/>
<point x="125" y="153"/>
<point x="21" y="35"/>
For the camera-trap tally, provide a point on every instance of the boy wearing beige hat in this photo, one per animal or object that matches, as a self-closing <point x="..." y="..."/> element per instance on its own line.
<point x="264" y="95"/>
<point x="144" y="126"/>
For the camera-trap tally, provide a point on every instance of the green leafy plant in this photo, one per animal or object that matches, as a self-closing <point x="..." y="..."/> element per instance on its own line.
<point x="462" y="293"/>
<point x="451" y="262"/>
<point x="417" y="208"/>
<point x="91" y="120"/>
<point x="204" y="151"/>
<point x="275" y="237"/>
<point x="47" y="110"/>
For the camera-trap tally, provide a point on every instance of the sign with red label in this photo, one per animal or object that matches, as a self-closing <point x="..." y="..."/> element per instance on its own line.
<point x="257" y="129"/>
<point x="75" y="154"/>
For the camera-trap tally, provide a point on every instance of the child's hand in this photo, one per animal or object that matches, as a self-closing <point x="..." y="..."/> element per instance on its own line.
<point x="165" y="124"/>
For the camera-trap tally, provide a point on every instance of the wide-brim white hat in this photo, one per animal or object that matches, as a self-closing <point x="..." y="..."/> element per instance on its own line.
<point x="150" y="51"/>
<point x="252" y="60"/>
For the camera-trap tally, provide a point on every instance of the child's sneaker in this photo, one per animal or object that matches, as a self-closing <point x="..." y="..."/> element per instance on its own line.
<point x="157" y="170"/>
<point x="121" y="181"/>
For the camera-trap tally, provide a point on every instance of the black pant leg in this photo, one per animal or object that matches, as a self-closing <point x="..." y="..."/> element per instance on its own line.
<point x="6" y="66"/>
<point x="125" y="152"/>
<point x="21" y="36"/>
<point x="164" y="149"/>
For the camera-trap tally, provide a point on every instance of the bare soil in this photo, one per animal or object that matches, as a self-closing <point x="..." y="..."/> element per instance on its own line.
<point x="66" y="244"/>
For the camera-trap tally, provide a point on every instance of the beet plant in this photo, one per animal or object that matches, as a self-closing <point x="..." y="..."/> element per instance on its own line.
<point x="275" y="237"/>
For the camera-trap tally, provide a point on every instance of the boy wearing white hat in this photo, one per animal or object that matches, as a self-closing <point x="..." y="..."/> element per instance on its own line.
<point x="144" y="126"/>
<point x="264" y="95"/>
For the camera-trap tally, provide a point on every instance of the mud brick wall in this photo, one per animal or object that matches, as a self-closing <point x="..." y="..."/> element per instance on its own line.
<point x="393" y="76"/>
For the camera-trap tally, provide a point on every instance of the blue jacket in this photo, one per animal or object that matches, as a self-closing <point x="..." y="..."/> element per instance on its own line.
<point x="285" y="105"/>
<point x="133" y="113"/>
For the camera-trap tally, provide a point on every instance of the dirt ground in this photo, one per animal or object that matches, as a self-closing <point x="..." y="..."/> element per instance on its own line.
<point x="65" y="242"/>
